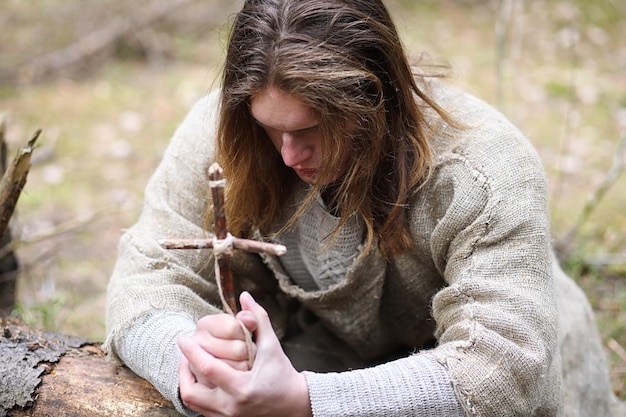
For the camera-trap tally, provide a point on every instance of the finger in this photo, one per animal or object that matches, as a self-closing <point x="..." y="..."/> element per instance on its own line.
<point x="240" y="365"/>
<point x="222" y="326"/>
<point x="248" y="319"/>
<point x="264" y="329"/>
<point x="186" y="378"/>
<point x="223" y="337"/>
<point x="212" y="370"/>
<point x="188" y="370"/>
<point x="230" y="350"/>
<point x="191" y="391"/>
<point x="203" y="399"/>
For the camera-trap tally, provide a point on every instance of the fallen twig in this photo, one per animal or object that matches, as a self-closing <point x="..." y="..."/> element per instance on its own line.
<point x="617" y="348"/>
<point x="597" y="196"/>
<point x="55" y="231"/>
<point x="618" y="371"/>
<point x="75" y="54"/>
<point x="606" y="259"/>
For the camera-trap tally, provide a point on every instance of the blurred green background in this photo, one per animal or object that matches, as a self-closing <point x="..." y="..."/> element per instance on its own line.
<point x="109" y="80"/>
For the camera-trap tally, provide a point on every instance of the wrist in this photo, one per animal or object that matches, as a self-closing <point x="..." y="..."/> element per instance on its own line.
<point x="302" y="405"/>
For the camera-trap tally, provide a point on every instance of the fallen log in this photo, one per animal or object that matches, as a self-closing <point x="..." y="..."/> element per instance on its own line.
<point x="49" y="374"/>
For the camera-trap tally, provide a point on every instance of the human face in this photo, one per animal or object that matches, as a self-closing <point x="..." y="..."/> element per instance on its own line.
<point x="294" y="129"/>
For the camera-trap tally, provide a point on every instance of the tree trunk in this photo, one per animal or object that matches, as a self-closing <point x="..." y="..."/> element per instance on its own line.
<point x="8" y="277"/>
<point x="8" y="261"/>
<point x="47" y="374"/>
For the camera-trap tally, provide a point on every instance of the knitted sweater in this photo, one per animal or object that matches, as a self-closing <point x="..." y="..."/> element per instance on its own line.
<point x="481" y="279"/>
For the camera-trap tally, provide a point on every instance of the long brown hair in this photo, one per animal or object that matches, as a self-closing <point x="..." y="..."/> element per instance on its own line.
<point x="344" y="59"/>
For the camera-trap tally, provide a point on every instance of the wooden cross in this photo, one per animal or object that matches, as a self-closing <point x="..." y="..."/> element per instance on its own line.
<point x="223" y="243"/>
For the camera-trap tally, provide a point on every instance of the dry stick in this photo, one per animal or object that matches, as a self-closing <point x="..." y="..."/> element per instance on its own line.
<point x="606" y="259"/>
<point x="13" y="182"/>
<point x="617" y="348"/>
<point x="568" y="125"/>
<point x="238" y="243"/>
<point x="599" y="193"/>
<point x="55" y="231"/>
<point x="224" y="274"/>
<point x="227" y="286"/>
<point x="223" y="243"/>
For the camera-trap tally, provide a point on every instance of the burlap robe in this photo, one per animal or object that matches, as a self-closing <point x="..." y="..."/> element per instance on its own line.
<point x="515" y="334"/>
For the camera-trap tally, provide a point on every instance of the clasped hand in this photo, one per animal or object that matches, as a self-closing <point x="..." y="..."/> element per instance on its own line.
<point x="214" y="378"/>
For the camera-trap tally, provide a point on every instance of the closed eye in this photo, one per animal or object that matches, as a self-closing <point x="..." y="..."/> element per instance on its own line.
<point x="311" y="129"/>
<point x="308" y="129"/>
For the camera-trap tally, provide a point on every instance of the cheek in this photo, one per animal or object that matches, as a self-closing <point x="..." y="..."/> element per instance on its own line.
<point x="315" y="140"/>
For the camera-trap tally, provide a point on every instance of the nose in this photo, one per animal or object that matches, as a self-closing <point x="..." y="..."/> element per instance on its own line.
<point x="293" y="151"/>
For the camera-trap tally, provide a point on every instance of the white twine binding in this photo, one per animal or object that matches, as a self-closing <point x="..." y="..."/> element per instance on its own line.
<point x="223" y="247"/>
<point x="217" y="183"/>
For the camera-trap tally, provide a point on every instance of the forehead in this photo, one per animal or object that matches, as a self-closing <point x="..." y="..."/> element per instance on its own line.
<point x="276" y="109"/>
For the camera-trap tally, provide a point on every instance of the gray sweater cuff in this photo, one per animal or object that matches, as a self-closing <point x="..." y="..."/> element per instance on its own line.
<point x="413" y="386"/>
<point x="149" y="348"/>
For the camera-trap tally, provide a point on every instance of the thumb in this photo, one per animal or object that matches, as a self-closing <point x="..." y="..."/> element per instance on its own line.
<point x="264" y="325"/>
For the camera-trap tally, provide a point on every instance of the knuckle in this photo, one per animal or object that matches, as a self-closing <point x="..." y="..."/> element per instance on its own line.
<point x="205" y="368"/>
<point x="263" y="314"/>
<point x="241" y="350"/>
<point x="202" y="369"/>
<point x="212" y="320"/>
<point x="205" y="321"/>
<point x="245" y="397"/>
<point x="187" y="399"/>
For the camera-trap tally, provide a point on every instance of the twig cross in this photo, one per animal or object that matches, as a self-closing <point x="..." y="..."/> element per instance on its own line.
<point x="223" y="244"/>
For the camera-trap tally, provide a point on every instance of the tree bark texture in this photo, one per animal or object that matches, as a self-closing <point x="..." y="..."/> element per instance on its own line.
<point x="48" y="374"/>
<point x="13" y="181"/>
<point x="8" y="276"/>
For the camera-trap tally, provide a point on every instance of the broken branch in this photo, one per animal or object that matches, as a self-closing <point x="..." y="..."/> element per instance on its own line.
<point x="14" y="180"/>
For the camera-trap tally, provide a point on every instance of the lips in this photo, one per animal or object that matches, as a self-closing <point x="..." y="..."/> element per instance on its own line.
<point x="307" y="173"/>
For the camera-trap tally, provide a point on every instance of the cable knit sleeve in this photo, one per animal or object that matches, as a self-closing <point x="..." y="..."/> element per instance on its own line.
<point x="149" y="348"/>
<point x="413" y="386"/>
